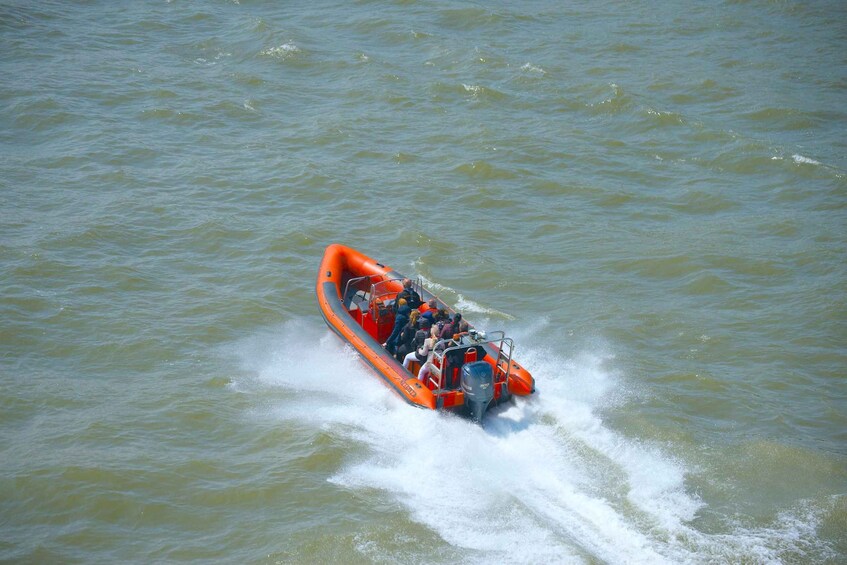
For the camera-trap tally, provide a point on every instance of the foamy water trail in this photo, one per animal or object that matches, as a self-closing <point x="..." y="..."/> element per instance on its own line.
<point x="544" y="481"/>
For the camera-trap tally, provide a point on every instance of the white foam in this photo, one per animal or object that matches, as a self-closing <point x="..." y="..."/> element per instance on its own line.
<point x="804" y="160"/>
<point x="545" y="481"/>
<point x="283" y="51"/>
<point x="466" y="305"/>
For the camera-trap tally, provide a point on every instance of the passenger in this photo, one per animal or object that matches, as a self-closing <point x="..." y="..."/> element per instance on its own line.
<point x="451" y="328"/>
<point x="400" y="320"/>
<point x="407" y="336"/>
<point x="441" y="316"/>
<point x="463" y="330"/>
<point x="424" y="355"/>
<point x="412" y="298"/>
<point x="419" y="351"/>
<point x="431" y="310"/>
<point x="424" y="323"/>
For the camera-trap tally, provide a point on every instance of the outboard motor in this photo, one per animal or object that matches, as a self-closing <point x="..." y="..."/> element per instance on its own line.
<point x="478" y="386"/>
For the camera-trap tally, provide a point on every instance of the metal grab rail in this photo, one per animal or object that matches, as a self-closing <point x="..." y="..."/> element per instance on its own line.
<point x="438" y="370"/>
<point x="504" y="358"/>
<point x="377" y="290"/>
<point x="505" y="347"/>
<point x="436" y="384"/>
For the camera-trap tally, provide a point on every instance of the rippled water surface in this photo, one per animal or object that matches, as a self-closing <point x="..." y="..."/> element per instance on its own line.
<point x="650" y="197"/>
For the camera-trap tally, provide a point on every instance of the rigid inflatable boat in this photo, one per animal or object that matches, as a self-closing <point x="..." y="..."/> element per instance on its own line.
<point x="469" y="373"/>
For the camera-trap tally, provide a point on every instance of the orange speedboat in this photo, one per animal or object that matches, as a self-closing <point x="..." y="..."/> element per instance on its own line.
<point x="469" y="373"/>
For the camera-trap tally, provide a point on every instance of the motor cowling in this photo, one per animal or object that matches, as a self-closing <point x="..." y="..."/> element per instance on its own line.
<point x="478" y="388"/>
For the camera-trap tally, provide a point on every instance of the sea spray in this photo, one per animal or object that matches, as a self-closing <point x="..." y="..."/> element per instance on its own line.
<point x="531" y="471"/>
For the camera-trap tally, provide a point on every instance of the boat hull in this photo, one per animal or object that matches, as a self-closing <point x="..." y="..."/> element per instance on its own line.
<point x="364" y="333"/>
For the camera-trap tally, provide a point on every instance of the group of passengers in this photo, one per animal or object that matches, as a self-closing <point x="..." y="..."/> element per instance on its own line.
<point x="417" y="335"/>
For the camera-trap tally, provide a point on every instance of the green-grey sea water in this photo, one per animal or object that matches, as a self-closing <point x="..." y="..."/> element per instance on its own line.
<point x="651" y="197"/>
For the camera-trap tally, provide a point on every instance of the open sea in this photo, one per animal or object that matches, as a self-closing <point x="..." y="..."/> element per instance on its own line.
<point x="650" y="197"/>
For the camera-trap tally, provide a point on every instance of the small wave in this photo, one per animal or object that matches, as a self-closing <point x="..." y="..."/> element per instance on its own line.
<point x="471" y="92"/>
<point x="804" y="160"/>
<point x="168" y="114"/>
<point x="478" y="92"/>
<point x="665" y="118"/>
<point x="284" y="51"/>
<point x="463" y="304"/>
<point x="625" y="48"/>
<point x="807" y="166"/>
<point x="467" y="18"/>
<point x="704" y="202"/>
<point x="785" y="118"/>
<point x="706" y="284"/>
<point x="533" y="69"/>
<point x="484" y="170"/>
<point x="214" y="60"/>
<point x="617" y="102"/>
